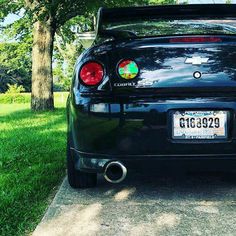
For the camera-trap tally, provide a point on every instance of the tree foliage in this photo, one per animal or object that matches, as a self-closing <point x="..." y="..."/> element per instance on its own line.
<point x="15" y="65"/>
<point x="15" y="49"/>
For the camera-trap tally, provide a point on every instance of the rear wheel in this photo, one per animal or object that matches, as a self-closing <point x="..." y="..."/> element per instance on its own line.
<point x="76" y="178"/>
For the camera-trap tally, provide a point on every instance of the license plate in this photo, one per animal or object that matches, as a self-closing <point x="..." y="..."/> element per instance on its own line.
<point x="199" y="125"/>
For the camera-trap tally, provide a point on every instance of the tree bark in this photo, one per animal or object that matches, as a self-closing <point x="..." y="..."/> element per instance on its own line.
<point x="42" y="76"/>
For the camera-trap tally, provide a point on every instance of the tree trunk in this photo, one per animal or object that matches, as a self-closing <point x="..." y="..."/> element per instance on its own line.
<point x="42" y="77"/>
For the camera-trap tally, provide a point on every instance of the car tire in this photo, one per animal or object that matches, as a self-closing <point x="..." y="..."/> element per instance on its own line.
<point x="76" y="178"/>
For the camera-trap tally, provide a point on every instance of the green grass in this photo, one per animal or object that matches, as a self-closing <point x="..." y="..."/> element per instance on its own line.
<point x="32" y="164"/>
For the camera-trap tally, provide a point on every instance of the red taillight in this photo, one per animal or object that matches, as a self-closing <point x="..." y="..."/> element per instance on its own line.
<point x="91" y="73"/>
<point x="196" y="40"/>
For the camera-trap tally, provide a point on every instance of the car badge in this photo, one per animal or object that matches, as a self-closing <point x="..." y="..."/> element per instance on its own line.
<point x="196" y="60"/>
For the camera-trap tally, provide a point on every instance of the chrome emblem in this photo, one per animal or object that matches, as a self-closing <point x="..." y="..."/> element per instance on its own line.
<point x="196" y="60"/>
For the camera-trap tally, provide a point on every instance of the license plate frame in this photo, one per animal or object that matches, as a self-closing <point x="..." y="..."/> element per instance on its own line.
<point x="208" y="136"/>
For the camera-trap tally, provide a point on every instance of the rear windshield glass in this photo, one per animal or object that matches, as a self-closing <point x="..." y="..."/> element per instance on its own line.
<point x="149" y="28"/>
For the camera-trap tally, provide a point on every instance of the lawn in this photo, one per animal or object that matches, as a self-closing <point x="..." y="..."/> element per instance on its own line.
<point x="32" y="164"/>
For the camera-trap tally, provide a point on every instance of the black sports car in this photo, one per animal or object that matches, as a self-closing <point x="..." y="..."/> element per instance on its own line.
<point x="158" y="84"/>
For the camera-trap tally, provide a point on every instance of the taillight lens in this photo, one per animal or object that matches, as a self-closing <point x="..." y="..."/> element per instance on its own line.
<point x="128" y="69"/>
<point x="91" y="73"/>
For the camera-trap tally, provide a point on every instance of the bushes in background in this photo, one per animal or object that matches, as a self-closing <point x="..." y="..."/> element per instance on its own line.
<point x="9" y="98"/>
<point x="14" y="88"/>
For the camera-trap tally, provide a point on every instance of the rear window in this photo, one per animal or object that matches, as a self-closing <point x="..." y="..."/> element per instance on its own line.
<point x="150" y="28"/>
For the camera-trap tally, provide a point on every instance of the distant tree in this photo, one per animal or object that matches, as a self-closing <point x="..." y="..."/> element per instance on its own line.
<point x="15" y="64"/>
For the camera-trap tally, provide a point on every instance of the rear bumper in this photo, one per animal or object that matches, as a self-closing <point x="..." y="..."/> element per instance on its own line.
<point x="95" y="163"/>
<point x="105" y="128"/>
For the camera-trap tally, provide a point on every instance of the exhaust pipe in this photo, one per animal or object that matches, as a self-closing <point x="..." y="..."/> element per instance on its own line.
<point x="115" y="172"/>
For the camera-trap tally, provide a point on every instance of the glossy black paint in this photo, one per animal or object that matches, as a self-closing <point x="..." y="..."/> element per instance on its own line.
<point x="133" y="122"/>
<point x="162" y="65"/>
<point x="142" y="126"/>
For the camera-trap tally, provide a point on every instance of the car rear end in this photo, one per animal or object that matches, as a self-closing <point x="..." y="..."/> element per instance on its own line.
<point x="156" y="88"/>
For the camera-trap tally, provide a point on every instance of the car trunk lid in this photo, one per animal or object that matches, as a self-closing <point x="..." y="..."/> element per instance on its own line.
<point x="165" y="65"/>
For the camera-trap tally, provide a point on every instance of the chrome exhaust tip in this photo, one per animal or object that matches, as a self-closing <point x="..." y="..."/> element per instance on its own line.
<point x="115" y="172"/>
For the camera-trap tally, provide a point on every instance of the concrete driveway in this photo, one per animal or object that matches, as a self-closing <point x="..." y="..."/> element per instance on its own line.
<point x="167" y="204"/>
